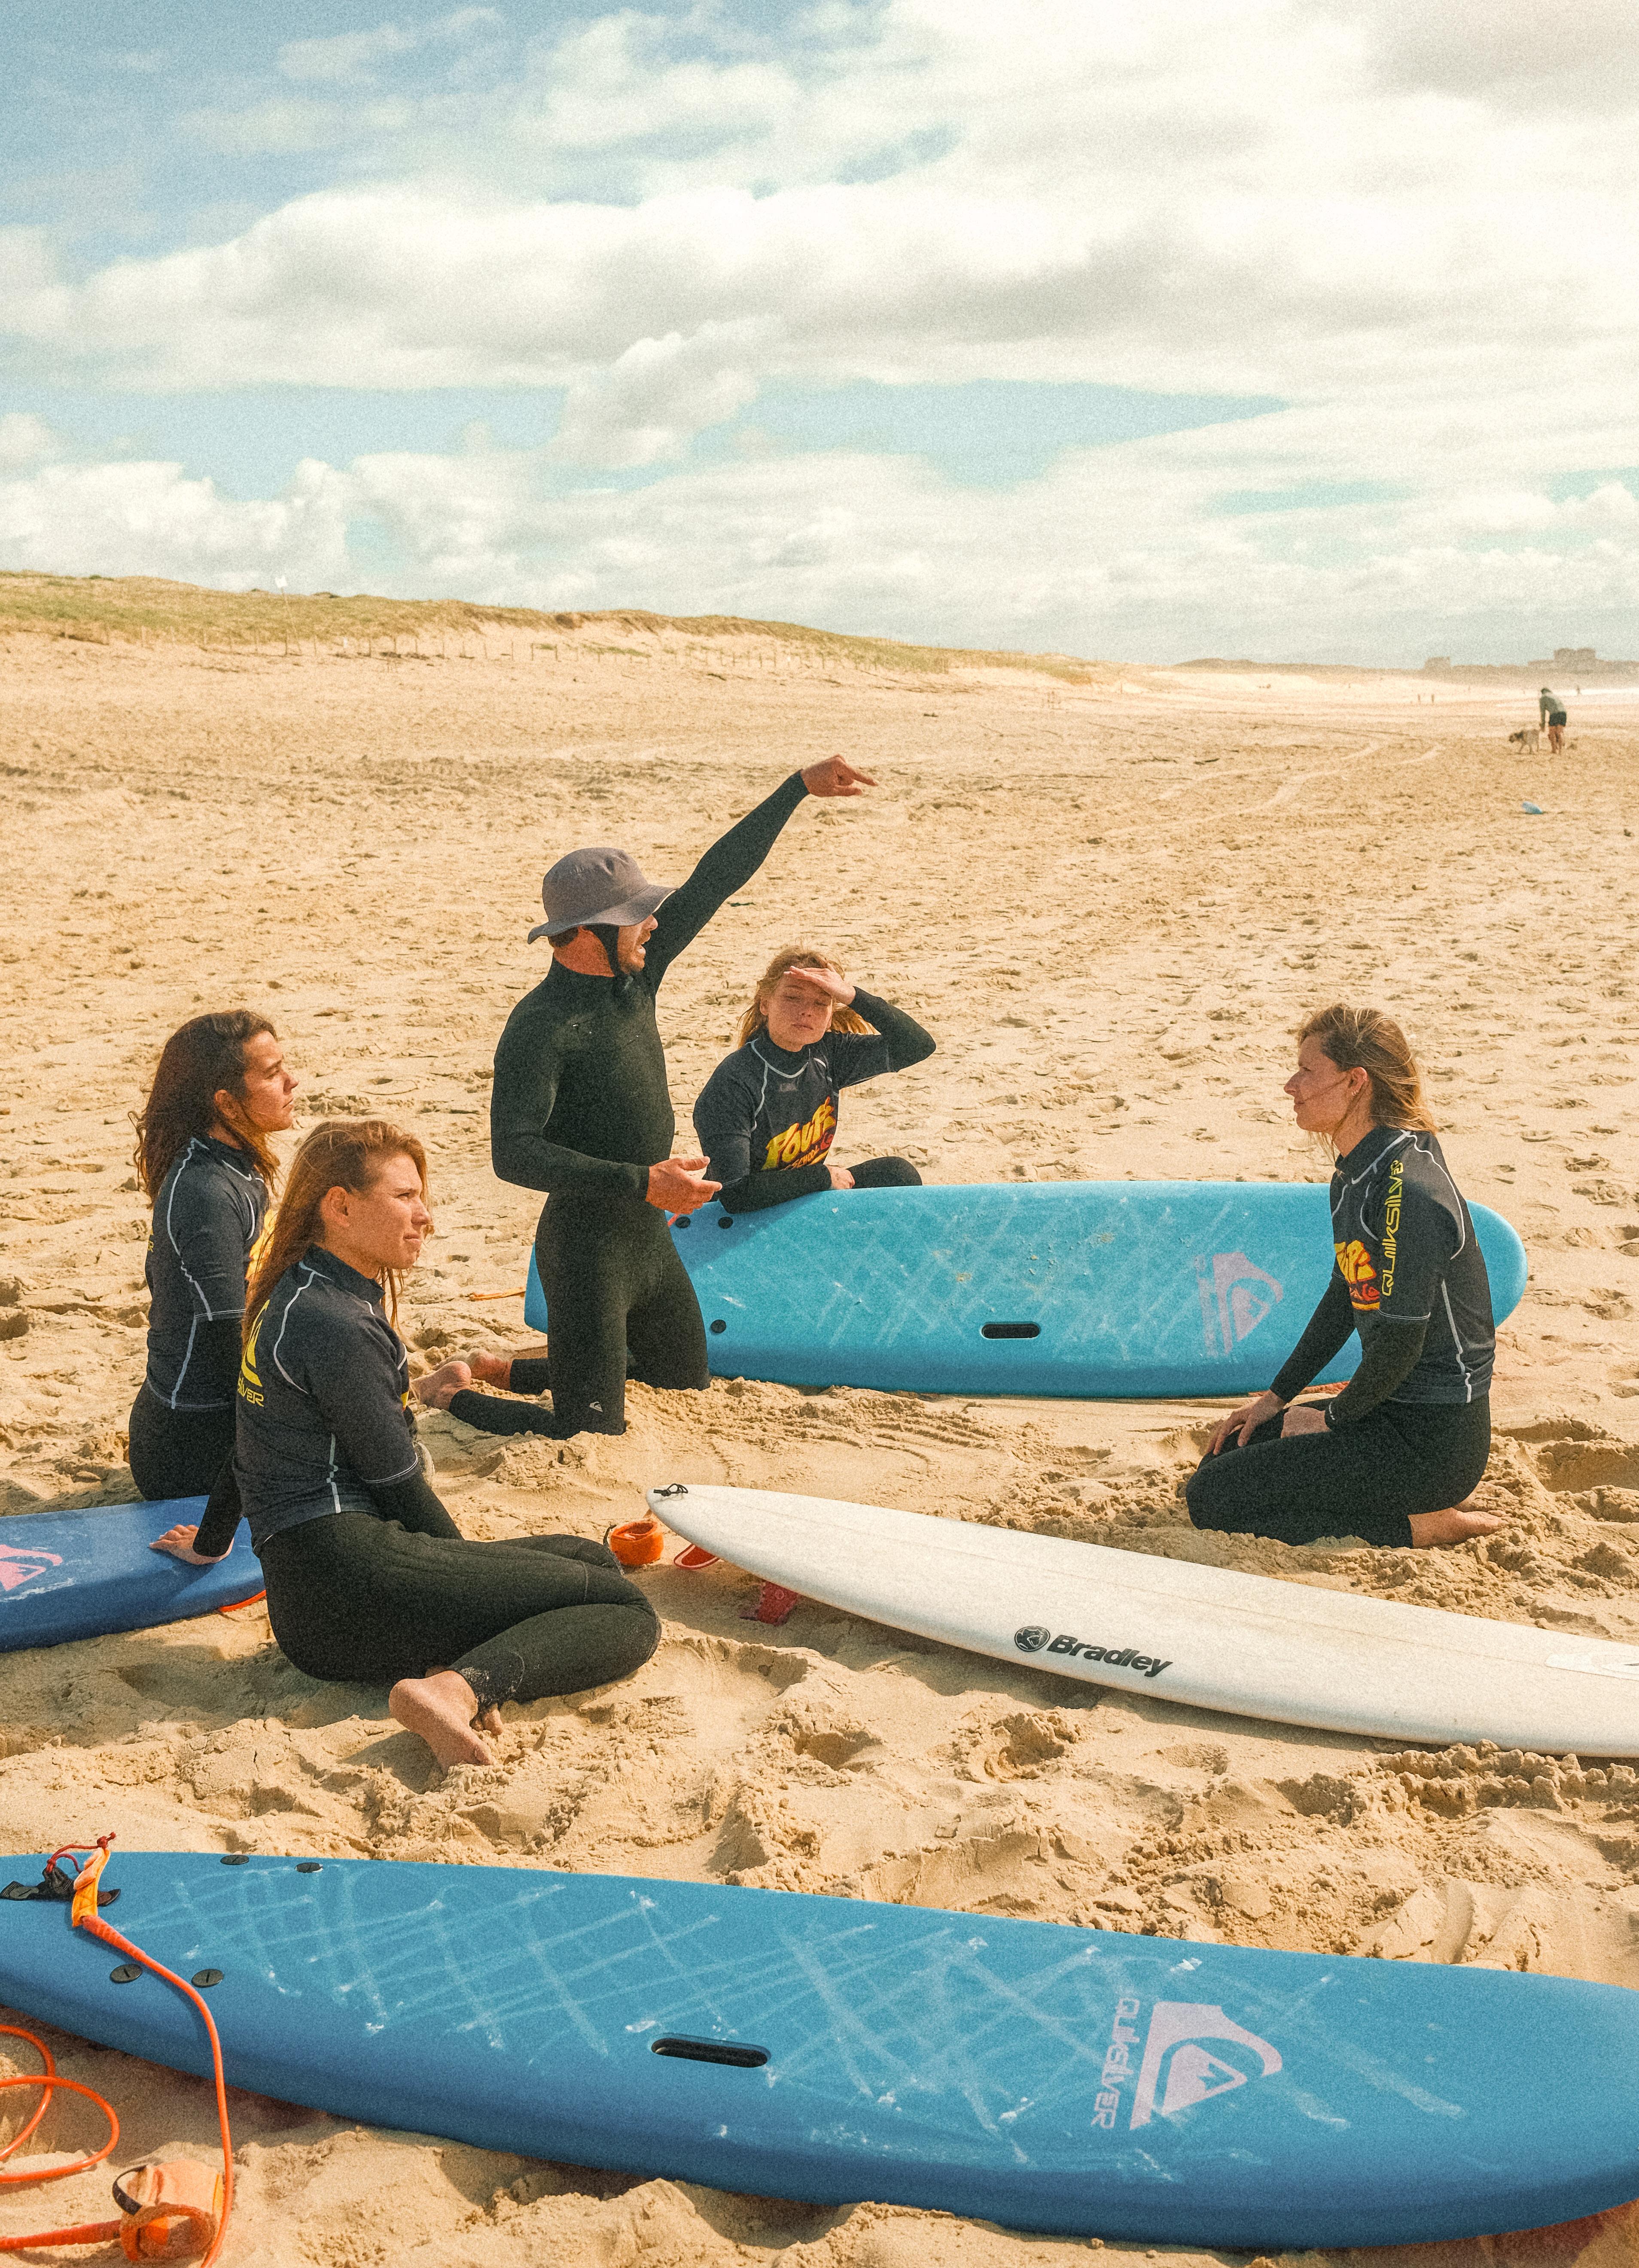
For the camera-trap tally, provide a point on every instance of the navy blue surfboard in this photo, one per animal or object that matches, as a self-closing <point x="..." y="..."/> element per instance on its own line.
<point x="1101" y="1290"/>
<point x="1047" y="2076"/>
<point x="84" y="1574"/>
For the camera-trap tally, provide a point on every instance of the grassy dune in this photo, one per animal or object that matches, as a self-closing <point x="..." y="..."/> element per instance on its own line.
<point x="142" y="609"/>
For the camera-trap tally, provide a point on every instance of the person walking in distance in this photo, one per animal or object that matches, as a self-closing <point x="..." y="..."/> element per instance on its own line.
<point x="1551" y="712"/>
<point x="582" y="1110"/>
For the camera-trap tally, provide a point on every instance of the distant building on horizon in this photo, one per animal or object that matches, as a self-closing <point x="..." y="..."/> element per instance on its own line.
<point x="1574" y="661"/>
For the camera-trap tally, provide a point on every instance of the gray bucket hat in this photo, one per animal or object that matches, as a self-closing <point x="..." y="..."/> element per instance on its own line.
<point x="596" y="886"/>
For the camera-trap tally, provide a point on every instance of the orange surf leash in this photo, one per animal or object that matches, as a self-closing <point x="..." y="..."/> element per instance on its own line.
<point x="174" y="2210"/>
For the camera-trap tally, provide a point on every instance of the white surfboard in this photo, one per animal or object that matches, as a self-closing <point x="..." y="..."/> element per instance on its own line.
<point x="1203" y="1636"/>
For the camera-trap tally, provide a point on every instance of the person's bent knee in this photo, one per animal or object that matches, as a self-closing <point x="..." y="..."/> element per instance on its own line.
<point x="1200" y="1491"/>
<point x="635" y="1639"/>
<point x="887" y="1173"/>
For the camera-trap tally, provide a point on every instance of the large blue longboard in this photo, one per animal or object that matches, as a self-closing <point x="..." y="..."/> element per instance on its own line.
<point x="1101" y="1290"/>
<point x="85" y="1574"/>
<point x="832" y="2049"/>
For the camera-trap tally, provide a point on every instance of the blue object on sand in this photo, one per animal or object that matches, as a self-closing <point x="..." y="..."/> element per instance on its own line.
<point x="1043" y="2076"/>
<point x="84" y="1574"/>
<point x="1103" y="1290"/>
<point x="1535" y="809"/>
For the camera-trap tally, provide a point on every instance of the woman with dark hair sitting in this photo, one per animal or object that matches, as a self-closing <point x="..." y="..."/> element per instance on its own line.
<point x="1392" y="1457"/>
<point x="220" y="1090"/>
<point x="369" y="1581"/>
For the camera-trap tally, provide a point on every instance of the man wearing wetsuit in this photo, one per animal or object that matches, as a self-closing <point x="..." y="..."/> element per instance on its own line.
<point x="582" y="1110"/>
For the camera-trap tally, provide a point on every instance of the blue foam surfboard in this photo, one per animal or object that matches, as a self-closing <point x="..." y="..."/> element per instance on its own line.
<point x="84" y="1574"/>
<point x="1047" y="2076"/>
<point x="1101" y="1290"/>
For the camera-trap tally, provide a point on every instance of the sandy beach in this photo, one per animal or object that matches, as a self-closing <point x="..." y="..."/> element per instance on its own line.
<point x="1110" y="893"/>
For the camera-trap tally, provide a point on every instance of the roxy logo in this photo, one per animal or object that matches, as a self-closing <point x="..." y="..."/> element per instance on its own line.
<point x="1033" y="1638"/>
<point x="1176" y="2071"/>
<point x="19" y="1567"/>
<point x="1236" y="1294"/>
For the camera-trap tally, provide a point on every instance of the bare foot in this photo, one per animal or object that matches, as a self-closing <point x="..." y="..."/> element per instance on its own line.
<point x="441" y="1708"/>
<point x="1453" y="1525"/>
<point x="440" y="1387"/>
<point x="494" y="1369"/>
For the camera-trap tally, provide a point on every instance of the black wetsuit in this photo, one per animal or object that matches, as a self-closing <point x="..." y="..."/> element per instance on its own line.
<point x="582" y="1109"/>
<point x="767" y="1116"/>
<point x="1412" y="1430"/>
<point x="208" y="1215"/>
<point x="369" y="1578"/>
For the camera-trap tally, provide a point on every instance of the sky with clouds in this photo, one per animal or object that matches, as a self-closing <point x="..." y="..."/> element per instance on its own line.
<point x="1233" y="326"/>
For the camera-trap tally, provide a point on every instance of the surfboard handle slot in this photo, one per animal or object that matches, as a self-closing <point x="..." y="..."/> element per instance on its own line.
<point x="737" y="2052"/>
<point x="1009" y="1331"/>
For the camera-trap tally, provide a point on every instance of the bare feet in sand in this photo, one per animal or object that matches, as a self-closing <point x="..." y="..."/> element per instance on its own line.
<point x="440" y="1387"/>
<point x="441" y="1707"/>
<point x="1454" y="1525"/>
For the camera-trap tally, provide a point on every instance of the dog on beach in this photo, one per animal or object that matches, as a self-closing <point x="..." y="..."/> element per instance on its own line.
<point x="1527" y="737"/>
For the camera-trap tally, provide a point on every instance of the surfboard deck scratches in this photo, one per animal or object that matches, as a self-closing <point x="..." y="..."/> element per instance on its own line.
<point x="1245" y="1645"/>
<point x="1130" y="1290"/>
<point x="1047" y="2076"/>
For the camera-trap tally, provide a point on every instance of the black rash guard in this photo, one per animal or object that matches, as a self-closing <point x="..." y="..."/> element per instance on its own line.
<point x="324" y="1407"/>
<point x="1408" y="1275"/>
<point x="581" y="1106"/>
<point x="767" y="1116"/>
<point x="207" y="1218"/>
<point x="369" y="1579"/>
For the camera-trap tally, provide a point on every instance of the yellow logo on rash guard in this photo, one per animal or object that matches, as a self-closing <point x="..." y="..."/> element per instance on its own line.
<point x="1355" y="1262"/>
<point x="259" y="1245"/>
<point x="250" y="1385"/>
<point x="804" y="1144"/>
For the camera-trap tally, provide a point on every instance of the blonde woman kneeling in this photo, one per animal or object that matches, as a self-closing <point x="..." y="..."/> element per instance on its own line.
<point x="1392" y="1457"/>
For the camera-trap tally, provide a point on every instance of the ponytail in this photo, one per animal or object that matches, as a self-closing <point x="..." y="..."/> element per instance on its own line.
<point x="1364" y="1039"/>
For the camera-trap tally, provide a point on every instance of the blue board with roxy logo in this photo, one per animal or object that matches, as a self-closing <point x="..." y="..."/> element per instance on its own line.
<point x="1102" y="1290"/>
<point x="89" y="1573"/>
<point x="1046" y="2077"/>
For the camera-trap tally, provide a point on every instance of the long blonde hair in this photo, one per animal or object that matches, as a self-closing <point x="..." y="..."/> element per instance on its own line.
<point x="345" y="1154"/>
<point x="1364" y="1039"/>
<point x="755" y="1019"/>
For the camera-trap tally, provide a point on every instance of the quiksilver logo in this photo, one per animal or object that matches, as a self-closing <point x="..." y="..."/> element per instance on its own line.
<point x="1175" y="2072"/>
<point x="1033" y="1639"/>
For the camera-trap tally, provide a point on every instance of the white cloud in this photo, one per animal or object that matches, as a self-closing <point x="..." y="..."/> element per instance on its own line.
<point x="149" y="518"/>
<point x="1414" y="225"/>
<point x="1123" y="551"/>
<point x="347" y="57"/>
<point x="657" y="396"/>
<point x="24" y="440"/>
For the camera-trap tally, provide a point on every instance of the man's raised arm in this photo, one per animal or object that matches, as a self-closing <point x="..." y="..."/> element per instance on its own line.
<point x="735" y="858"/>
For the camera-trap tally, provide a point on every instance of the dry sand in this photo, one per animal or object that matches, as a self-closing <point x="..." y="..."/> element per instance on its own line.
<point x="1110" y="902"/>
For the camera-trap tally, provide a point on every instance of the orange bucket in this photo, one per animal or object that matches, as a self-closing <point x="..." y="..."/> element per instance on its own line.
<point x="639" y="1543"/>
